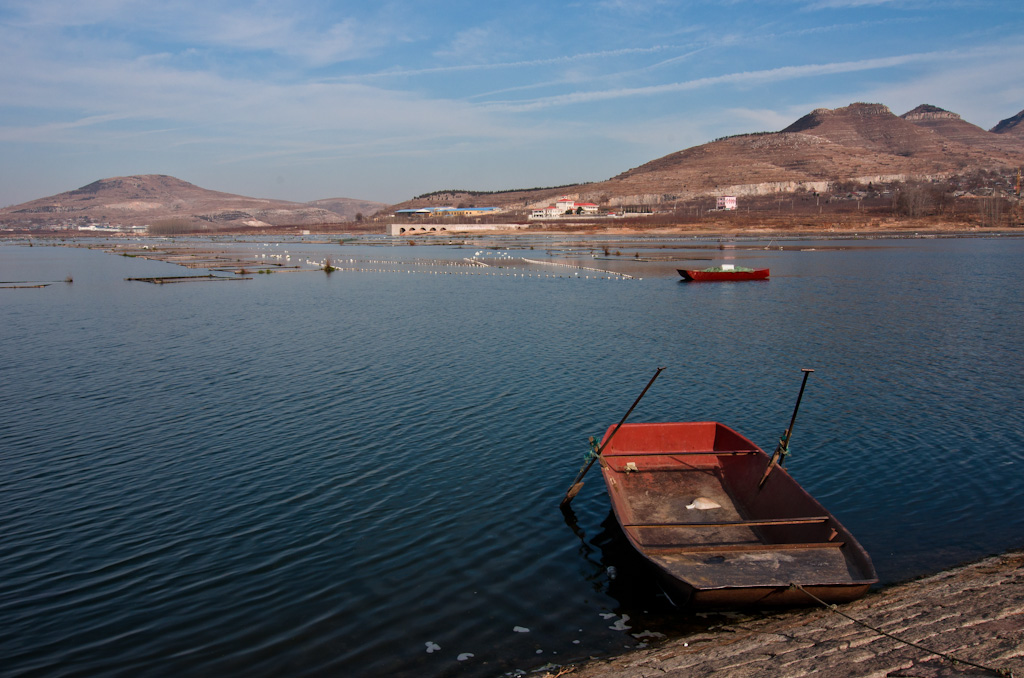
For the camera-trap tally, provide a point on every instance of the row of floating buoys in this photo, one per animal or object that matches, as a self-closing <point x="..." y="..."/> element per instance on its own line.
<point x="582" y="268"/>
<point x="470" y="263"/>
<point x="495" y="274"/>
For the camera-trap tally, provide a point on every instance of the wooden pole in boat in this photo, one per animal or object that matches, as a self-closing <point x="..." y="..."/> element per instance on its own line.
<point x="782" y="449"/>
<point x="577" y="484"/>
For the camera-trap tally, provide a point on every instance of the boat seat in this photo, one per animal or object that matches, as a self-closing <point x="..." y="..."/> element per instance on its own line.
<point x="758" y="546"/>
<point x="738" y="523"/>
<point x="683" y="453"/>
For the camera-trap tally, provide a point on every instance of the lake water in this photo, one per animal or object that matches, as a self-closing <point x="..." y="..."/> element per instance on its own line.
<point x="359" y="474"/>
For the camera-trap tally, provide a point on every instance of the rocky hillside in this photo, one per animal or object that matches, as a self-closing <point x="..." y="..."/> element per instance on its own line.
<point x="1014" y="125"/>
<point x="156" y="199"/>
<point x="861" y="142"/>
<point x="349" y="209"/>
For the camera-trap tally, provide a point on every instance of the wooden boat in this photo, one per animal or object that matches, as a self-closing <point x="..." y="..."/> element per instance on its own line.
<point x="723" y="273"/>
<point x="687" y="497"/>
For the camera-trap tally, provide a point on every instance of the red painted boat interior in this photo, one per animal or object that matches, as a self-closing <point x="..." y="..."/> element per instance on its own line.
<point x="753" y="541"/>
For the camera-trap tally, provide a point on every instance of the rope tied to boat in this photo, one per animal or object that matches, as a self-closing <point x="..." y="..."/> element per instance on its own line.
<point x="593" y="452"/>
<point x="1004" y="673"/>
<point x="783" y="447"/>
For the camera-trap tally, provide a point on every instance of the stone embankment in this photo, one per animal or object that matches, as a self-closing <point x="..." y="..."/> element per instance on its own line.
<point x="974" y="613"/>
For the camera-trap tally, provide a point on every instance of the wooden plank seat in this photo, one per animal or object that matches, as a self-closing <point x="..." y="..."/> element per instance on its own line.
<point x="732" y="548"/>
<point x="684" y="453"/>
<point x="738" y="523"/>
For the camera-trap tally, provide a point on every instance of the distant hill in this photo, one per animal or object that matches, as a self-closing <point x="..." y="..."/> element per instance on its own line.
<point x="349" y="209"/>
<point x="861" y="142"/>
<point x="1014" y="125"/>
<point x="159" y="199"/>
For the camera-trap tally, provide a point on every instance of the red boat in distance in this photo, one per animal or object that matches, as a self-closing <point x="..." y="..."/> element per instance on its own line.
<point x="722" y="273"/>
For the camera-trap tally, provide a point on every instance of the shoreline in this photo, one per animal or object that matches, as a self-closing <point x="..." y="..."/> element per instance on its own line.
<point x="769" y="228"/>
<point x="974" y="612"/>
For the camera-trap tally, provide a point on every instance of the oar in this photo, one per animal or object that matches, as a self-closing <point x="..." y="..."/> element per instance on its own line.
<point x="577" y="484"/>
<point x="782" y="449"/>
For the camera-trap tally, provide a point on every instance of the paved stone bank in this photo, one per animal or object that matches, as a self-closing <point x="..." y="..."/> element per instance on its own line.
<point x="974" y="612"/>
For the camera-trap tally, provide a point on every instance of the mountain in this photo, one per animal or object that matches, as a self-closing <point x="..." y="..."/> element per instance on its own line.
<point x="952" y="127"/>
<point x="862" y="142"/>
<point x="1014" y="125"/>
<point x="156" y="198"/>
<point x="867" y="126"/>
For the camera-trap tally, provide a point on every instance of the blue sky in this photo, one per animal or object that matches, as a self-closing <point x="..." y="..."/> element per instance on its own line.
<point x="387" y="100"/>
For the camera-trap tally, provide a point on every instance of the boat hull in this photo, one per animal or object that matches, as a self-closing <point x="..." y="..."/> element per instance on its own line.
<point x="732" y="598"/>
<point x="689" y="275"/>
<point x="687" y="497"/>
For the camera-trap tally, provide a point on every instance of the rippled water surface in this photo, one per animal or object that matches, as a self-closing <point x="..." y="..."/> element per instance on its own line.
<point x="313" y="475"/>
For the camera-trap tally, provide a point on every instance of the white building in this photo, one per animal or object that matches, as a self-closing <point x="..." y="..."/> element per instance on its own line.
<point x="562" y="207"/>
<point x="566" y="204"/>
<point x="549" y="212"/>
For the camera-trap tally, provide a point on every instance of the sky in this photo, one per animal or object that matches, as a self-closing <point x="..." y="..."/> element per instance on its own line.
<point x="391" y="99"/>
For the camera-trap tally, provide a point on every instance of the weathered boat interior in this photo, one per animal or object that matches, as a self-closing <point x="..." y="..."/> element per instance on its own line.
<point x="687" y="496"/>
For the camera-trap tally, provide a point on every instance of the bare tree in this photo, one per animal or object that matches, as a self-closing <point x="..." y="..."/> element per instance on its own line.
<point x="912" y="199"/>
<point x="990" y="211"/>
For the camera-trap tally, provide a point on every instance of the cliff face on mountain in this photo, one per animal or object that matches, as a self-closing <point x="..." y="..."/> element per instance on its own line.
<point x="1014" y="125"/>
<point x="951" y="127"/>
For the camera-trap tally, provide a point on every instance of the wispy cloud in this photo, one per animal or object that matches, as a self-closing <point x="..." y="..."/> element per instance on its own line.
<point x="576" y="79"/>
<point x="471" y="44"/>
<point x="243" y="83"/>
<point x="860" y="4"/>
<point x="524" y="63"/>
<point x="312" y="38"/>
<point x="66" y="13"/>
<point x="151" y="93"/>
<point x="631" y="6"/>
<point x="292" y="34"/>
<point x="760" y="77"/>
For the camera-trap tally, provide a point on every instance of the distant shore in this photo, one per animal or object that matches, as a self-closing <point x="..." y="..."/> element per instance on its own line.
<point x="768" y="233"/>
<point x="719" y="227"/>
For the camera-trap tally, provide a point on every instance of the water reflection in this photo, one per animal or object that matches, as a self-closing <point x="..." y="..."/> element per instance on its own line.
<point x="613" y="568"/>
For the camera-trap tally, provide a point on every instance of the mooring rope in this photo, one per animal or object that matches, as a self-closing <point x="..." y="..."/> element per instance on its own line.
<point x="1004" y="673"/>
